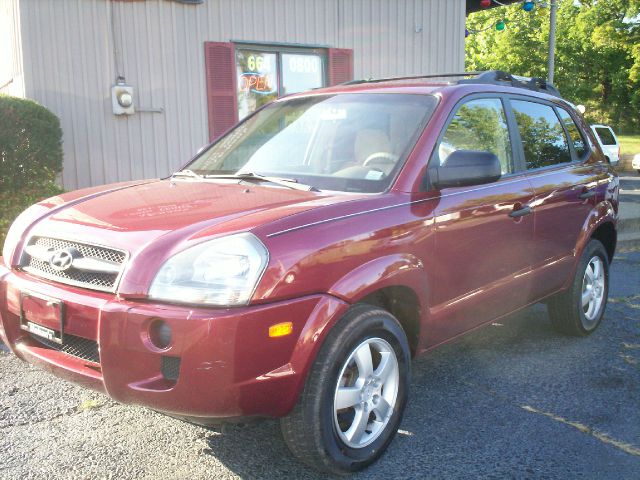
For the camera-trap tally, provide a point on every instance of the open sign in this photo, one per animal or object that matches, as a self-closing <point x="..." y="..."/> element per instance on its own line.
<point x="257" y="83"/>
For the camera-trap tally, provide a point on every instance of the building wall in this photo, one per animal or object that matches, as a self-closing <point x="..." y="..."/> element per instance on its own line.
<point x="11" y="78"/>
<point x="74" y="50"/>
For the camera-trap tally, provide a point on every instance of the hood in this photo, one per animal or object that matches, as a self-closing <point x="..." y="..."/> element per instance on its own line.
<point x="132" y="217"/>
<point x="152" y="221"/>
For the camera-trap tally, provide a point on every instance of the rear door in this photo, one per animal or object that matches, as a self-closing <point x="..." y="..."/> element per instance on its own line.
<point x="565" y="182"/>
<point x="482" y="252"/>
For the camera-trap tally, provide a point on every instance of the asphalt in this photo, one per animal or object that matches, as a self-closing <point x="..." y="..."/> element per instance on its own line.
<point x="512" y="400"/>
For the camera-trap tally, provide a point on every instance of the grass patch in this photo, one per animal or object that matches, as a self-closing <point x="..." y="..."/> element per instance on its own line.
<point x="629" y="144"/>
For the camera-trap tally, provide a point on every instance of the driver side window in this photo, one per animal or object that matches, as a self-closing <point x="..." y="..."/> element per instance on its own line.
<point x="479" y="124"/>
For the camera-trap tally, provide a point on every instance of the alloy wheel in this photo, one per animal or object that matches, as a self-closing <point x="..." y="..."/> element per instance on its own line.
<point x="593" y="291"/>
<point x="366" y="393"/>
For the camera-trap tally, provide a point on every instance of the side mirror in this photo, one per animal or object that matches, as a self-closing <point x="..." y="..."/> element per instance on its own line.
<point x="465" y="168"/>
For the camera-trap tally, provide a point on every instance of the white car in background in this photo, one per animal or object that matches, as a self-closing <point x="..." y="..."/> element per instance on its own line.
<point x="608" y="141"/>
<point x="635" y="164"/>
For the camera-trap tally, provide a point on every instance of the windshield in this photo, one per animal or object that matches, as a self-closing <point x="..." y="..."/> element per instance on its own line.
<point x="346" y="142"/>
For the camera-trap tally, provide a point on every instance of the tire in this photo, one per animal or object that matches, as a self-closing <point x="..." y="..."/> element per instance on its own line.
<point x="315" y="432"/>
<point x="568" y="311"/>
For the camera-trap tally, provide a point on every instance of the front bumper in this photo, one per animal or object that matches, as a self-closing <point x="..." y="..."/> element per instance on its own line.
<point x="228" y="365"/>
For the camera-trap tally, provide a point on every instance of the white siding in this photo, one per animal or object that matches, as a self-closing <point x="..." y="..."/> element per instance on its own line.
<point x="397" y="37"/>
<point x="11" y="78"/>
<point x="70" y="65"/>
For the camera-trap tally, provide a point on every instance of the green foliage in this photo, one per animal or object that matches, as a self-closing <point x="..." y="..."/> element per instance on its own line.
<point x="597" y="54"/>
<point x="30" y="156"/>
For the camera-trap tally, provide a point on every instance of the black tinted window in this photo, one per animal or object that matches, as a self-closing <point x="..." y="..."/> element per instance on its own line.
<point x="542" y="135"/>
<point x="479" y="125"/>
<point x="574" y="133"/>
<point x="606" y="137"/>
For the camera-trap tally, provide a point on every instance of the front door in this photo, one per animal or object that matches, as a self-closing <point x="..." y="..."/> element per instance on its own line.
<point x="484" y="234"/>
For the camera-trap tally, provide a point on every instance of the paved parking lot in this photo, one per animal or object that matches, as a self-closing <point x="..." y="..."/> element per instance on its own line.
<point x="510" y="401"/>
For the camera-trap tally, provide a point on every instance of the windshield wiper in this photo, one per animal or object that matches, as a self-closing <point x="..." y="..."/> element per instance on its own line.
<point x="187" y="174"/>
<point x="284" y="182"/>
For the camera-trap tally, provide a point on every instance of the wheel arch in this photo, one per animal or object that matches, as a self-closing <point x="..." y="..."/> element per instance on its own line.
<point x="396" y="283"/>
<point x="606" y="233"/>
<point x="600" y="224"/>
<point x="403" y="303"/>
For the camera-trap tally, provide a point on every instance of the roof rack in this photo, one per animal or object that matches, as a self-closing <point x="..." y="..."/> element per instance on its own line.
<point x="413" y="77"/>
<point x="498" y="77"/>
<point x="491" y="77"/>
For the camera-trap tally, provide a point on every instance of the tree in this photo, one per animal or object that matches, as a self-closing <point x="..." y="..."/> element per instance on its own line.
<point x="597" y="56"/>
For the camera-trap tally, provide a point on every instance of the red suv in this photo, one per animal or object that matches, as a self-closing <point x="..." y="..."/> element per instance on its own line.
<point x="294" y="267"/>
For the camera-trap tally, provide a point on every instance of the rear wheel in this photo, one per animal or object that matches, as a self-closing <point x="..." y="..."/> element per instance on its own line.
<point x="579" y="310"/>
<point x="355" y="394"/>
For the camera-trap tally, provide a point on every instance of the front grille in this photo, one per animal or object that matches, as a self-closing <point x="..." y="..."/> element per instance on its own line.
<point x="75" y="346"/>
<point x="170" y="367"/>
<point x="40" y="249"/>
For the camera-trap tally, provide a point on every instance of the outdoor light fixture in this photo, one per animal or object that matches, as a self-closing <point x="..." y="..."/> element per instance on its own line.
<point x="122" y="98"/>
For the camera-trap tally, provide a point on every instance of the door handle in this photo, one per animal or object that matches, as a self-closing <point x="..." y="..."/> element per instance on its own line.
<point x="521" y="212"/>
<point x="587" y="194"/>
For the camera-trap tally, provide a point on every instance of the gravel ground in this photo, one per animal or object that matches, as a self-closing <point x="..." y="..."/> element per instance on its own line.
<point x="512" y="400"/>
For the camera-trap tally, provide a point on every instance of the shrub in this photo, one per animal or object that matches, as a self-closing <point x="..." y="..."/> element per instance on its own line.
<point x="30" y="156"/>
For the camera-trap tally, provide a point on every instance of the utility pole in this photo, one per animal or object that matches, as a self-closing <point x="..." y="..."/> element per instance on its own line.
<point x="552" y="40"/>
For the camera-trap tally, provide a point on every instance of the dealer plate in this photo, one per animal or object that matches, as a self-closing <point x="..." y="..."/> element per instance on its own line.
<point x="42" y="315"/>
<point x="41" y="331"/>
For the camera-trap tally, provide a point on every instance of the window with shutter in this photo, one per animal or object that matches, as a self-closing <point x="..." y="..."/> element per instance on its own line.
<point x="241" y="78"/>
<point x="221" y="87"/>
<point x="340" y="65"/>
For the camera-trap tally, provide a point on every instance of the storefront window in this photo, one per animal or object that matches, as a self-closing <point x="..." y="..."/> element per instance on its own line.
<point x="257" y="80"/>
<point x="301" y="72"/>
<point x="265" y="75"/>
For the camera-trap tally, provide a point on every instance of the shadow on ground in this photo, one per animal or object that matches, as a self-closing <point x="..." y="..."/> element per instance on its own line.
<point x="513" y="399"/>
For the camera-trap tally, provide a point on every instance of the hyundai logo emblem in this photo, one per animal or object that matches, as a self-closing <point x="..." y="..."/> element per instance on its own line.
<point x="61" y="260"/>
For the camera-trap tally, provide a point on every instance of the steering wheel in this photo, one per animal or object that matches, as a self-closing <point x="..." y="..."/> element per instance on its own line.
<point x="377" y="159"/>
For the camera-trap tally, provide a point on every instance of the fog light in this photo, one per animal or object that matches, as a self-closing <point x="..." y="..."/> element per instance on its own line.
<point x="280" y="329"/>
<point x="160" y="334"/>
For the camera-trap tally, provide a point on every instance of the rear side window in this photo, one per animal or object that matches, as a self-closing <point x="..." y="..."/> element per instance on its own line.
<point x="479" y="124"/>
<point x="574" y="133"/>
<point x="543" y="137"/>
<point x="606" y="136"/>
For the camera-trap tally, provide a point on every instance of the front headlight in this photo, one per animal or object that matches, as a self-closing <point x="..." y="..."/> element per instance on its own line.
<point x="221" y="272"/>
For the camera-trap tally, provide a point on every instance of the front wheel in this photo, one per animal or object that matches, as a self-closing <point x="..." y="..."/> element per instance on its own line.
<point x="354" y="396"/>
<point x="579" y="310"/>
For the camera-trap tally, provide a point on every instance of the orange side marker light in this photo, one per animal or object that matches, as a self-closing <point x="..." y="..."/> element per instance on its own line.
<point x="280" y="329"/>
